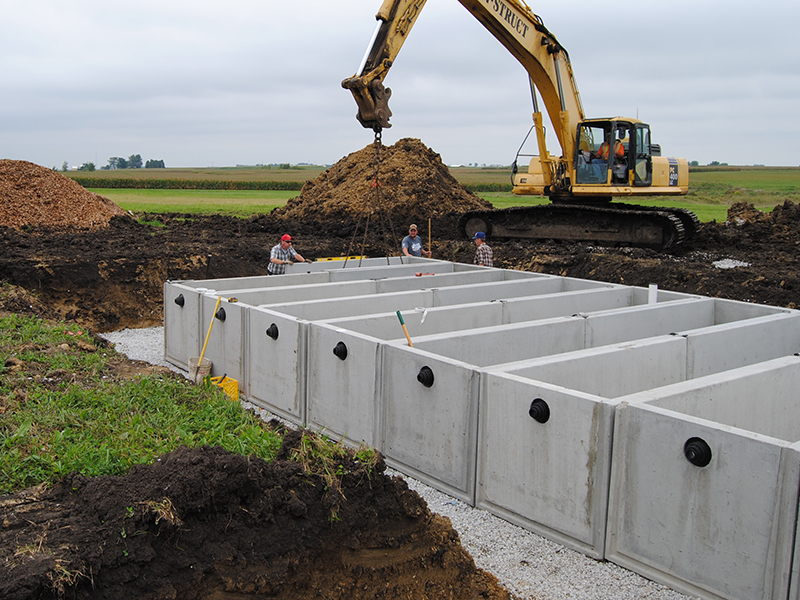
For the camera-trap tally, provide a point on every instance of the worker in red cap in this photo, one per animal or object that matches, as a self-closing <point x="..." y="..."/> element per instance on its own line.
<point x="281" y="255"/>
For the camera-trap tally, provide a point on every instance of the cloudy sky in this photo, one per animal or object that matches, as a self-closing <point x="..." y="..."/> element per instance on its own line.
<point x="200" y="83"/>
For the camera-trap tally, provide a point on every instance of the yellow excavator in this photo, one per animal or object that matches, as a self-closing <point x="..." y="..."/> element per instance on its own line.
<point x="601" y="159"/>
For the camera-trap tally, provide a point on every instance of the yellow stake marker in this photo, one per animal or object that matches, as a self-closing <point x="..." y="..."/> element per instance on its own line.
<point x="210" y="325"/>
<point x="429" y="237"/>
<point x="403" y="323"/>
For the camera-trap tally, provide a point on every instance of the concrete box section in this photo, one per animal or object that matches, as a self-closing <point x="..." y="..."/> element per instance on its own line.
<point x="344" y="392"/>
<point x="552" y="476"/>
<point x="704" y="488"/>
<point x="563" y="405"/>
<point x="184" y="330"/>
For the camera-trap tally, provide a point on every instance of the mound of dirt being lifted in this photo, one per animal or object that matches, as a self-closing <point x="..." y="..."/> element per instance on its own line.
<point x="414" y="186"/>
<point x="36" y="196"/>
<point x="207" y="524"/>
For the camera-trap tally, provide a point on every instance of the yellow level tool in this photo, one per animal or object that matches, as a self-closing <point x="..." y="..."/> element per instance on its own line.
<point x="341" y="258"/>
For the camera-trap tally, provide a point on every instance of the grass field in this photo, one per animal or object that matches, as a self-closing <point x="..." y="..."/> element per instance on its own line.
<point x="238" y="203"/>
<point x="712" y="190"/>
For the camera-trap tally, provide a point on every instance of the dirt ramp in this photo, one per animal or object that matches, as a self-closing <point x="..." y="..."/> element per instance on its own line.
<point x="35" y="196"/>
<point x="415" y="185"/>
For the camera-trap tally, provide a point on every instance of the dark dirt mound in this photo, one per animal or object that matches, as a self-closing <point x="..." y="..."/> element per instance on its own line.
<point x="206" y="524"/>
<point x="414" y="186"/>
<point x="35" y="196"/>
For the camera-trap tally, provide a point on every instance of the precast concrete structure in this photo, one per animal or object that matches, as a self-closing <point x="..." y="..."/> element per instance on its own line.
<point x="655" y="429"/>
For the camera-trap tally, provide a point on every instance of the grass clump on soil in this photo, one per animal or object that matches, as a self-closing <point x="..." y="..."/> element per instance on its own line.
<point x="64" y="408"/>
<point x="318" y="455"/>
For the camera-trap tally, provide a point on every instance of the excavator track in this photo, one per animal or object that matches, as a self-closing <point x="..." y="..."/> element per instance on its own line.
<point x="661" y="229"/>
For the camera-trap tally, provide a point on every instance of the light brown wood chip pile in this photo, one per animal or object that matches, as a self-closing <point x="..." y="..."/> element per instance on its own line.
<point x="31" y="195"/>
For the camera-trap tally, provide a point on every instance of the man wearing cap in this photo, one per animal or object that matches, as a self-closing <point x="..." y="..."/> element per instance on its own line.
<point x="484" y="256"/>
<point x="412" y="243"/>
<point x="282" y="254"/>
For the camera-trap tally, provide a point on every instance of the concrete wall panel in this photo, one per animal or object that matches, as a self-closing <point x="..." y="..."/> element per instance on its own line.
<point x="611" y="371"/>
<point x="496" y="291"/>
<point x="383" y="271"/>
<point x="507" y="343"/>
<point x="276" y="368"/>
<point x="430" y="431"/>
<point x="335" y="307"/>
<point x="414" y="282"/>
<point x="552" y="477"/>
<point x="424" y="321"/>
<point x="343" y="391"/>
<point x="727" y="311"/>
<point x="648" y="320"/>
<point x="737" y="398"/>
<point x="565" y="303"/>
<point x="181" y="323"/>
<point x="717" y="531"/>
<point x="224" y="348"/>
<point x="300" y="293"/>
<point x="738" y="343"/>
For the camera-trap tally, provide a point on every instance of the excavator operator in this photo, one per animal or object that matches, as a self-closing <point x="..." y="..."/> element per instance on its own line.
<point x="619" y="149"/>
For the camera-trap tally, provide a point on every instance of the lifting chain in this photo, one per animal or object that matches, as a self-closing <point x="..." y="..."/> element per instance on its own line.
<point x="377" y="201"/>
<point x="376" y="160"/>
<point x="375" y="204"/>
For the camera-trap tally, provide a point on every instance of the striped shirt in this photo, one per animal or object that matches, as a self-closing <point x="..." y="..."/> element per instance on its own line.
<point x="280" y="254"/>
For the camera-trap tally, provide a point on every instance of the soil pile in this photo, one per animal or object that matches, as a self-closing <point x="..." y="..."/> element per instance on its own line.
<point x="206" y="524"/>
<point x="757" y="233"/>
<point x="36" y="196"/>
<point x="414" y="186"/>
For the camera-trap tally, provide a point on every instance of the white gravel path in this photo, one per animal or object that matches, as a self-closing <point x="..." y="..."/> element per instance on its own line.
<point x="529" y="566"/>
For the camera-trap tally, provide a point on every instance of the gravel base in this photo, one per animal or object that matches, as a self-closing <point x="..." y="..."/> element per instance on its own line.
<point x="529" y="566"/>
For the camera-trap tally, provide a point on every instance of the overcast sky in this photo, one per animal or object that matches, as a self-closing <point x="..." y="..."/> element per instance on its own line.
<point x="200" y="83"/>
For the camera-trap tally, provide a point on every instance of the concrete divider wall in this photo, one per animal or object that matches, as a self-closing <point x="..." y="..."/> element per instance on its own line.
<point x="318" y="310"/>
<point x="370" y="304"/>
<point x="380" y="272"/>
<point x="736" y="344"/>
<point x="457" y="410"/>
<point x="518" y="341"/>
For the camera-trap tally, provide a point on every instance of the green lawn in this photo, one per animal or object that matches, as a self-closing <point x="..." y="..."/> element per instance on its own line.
<point x="239" y="203"/>
<point x="77" y="418"/>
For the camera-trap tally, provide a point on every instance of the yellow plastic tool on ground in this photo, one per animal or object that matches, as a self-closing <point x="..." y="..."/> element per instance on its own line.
<point x="228" y="385"/>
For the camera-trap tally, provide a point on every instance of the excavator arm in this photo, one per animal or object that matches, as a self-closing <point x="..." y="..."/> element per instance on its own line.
<point x="520" y="31"/>
<point x="579" y="176"/>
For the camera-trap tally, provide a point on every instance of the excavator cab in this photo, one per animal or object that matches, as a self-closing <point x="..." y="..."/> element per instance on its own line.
<point x="613" y="153"/>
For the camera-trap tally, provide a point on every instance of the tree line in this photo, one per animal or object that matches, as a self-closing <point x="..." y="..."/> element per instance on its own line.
<point x="134" y="161"/>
